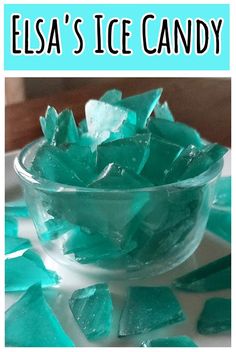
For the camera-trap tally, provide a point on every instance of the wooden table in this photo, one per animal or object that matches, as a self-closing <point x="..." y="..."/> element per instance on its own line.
<point x="204" y="103"/>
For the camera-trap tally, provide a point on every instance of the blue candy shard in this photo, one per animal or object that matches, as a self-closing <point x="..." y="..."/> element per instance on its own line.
<point x="48" y="123"/>
<point x="26" y="270"/>
<point x="219" y="223"/>
<point x="173" y="341"/>
<point x="222" y="199"/>
<point x="131" y="153"/>
<point x="213" y="276"/>
<point x="111" y="96"/>
<point x="17" y="209"/>
<point x="11" y="226"/>
<point x="143" y="104"/>
<point x="82" y="126"/>
<point x="162" y="111"/>
<point x="149" y="308"/>
<point x="92" y="310"/>
<point x="14" y="244"/>
<point x="55" y="228"/>
<point x="30" y="322"/>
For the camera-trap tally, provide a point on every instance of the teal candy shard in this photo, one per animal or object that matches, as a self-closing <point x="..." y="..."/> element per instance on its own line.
<point x="149" y="308"/>
<point x="173" y="341"/>
<point x="211" y="277"/>
<point x="219" y="223"/>
<point x="111" y="96"/>
<point x="59" y="129"/>
<point x="131" y="152"/>
<point x="17" y="209"/>
<point x="162" y="155"/>
<point x="215" y="316"/>
<point x="92" y="247"/>
<point x="30" y="322"/>
<point x="177" y="132"/>
<point x="52" y="164"/>
<point x="14" y="244"/>
<point x="162" y="111"/>
<point x="55" y="229"/>
<point x="26" y="270"/>
<point x="143" y="104"/>
<point x="82" y="126"/>
<point x="116" y="177"/>
<point x="222" y="199"/>
<point x="11" y="226"/>
<point x="92" y="309"/>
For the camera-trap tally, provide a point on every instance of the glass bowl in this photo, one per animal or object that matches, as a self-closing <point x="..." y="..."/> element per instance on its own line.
<point x="120" y="233"/>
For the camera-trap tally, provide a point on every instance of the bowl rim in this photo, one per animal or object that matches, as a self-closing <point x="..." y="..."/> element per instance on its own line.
<point x="209" y="175"/>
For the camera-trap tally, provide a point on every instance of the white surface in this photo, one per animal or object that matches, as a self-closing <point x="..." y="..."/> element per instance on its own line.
<point x="211" y="248"/>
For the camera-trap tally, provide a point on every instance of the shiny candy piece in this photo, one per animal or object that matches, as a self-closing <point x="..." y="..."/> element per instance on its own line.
<point x="162" y="111"/>
<point x="131" y="153"/>
<point x="55" y="228"/>
<point x="222" y="199"/>
<point x="116" y="177"/>
<point x="26" y="270"/>
<point x="173" y="341"/>
<point x="59" y="129"/>
<point x="177" y="133"/>
<point x="219" y="223"/>
<point x="14" y="244"/>
<point x="149" y="308"/>
<point x="30" y="322"/>
<point x="92" y="310"/>
<point x="16" y="209"/>
<point x="215" y="316"/>
<point x="111" y="96"/>
<point x="210" y="277"/>
<point x="11" y="226"/>
<point x="143" y="104"/>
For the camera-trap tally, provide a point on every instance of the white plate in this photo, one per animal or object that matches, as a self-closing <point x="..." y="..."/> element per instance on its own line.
<point x="211" y="248"/>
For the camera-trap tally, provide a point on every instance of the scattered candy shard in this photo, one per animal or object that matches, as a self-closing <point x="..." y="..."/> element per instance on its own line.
<point x="14" y="244"/>
<point x="149" y="308"/>
<point x="17" y="209"/>
<point x="162" y="111"/>
<point x="92" y="310"/>
<point x="162" y="155"/>
<point x="30" y="322"/>
<point x="177" y="133"/>
<point x="219" y="223"/>
<point x="111" y="96"/>
<point x="89" y="247"/>
<point x="211" y="277"/>
<point x="222" y="199"/>
<point x="143" y="104"/>
<point x="173" y="341"/>
<point x="26" y="270"/>
<point x="131" y="153"/>
<point x="116" y="177"/>
<point x="52" y="164"/>
<point x="102" y="117"/>
<point x="59" y="129"/>
<point x="215" y="316"/>
<point x="11" y="226"/>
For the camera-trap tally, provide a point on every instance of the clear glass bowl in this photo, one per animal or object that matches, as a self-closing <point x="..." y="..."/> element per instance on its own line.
<point x="125" y="233"/>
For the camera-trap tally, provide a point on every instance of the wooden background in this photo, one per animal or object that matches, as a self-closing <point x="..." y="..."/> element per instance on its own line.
<point x="203" y="103"/>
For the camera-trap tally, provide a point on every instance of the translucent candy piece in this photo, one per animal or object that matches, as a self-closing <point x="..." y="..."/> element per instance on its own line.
<point x="204" y="159"/>
<point x="130" y="152"/>
<point x="162" y="111"/>
<point x="59" y="129"/>
<point x="11" y="226"/>
<point x="82" y="126"/>
<point x="211" y="277"/>
<point x="173" y="341"/>
<point x="162" y="155"/>
<point x="222" y="199"/>
<point x="52" y="164"/>
<point x="177" y="133"/>
<point x="215" y="316"/>
<point x="91" y="247"/>
<point x="149" y="308"/>
<point x="219" y="223"/>
<point x="111" y="96"/>
<point x="17" y="209"/>
<point x="101" y="117"/>
<point x="116" y="177"/>
<point x="92" y="310"/>
<point x="143" y="104"/>
<point x="26" y="270"/>
<point x="14" y="244"/>
<point x="55" y="229"/>
<point x="30" y="322"/>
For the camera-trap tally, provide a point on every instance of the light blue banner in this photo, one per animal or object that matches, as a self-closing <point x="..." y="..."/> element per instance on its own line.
<point x="155" y="30"/>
